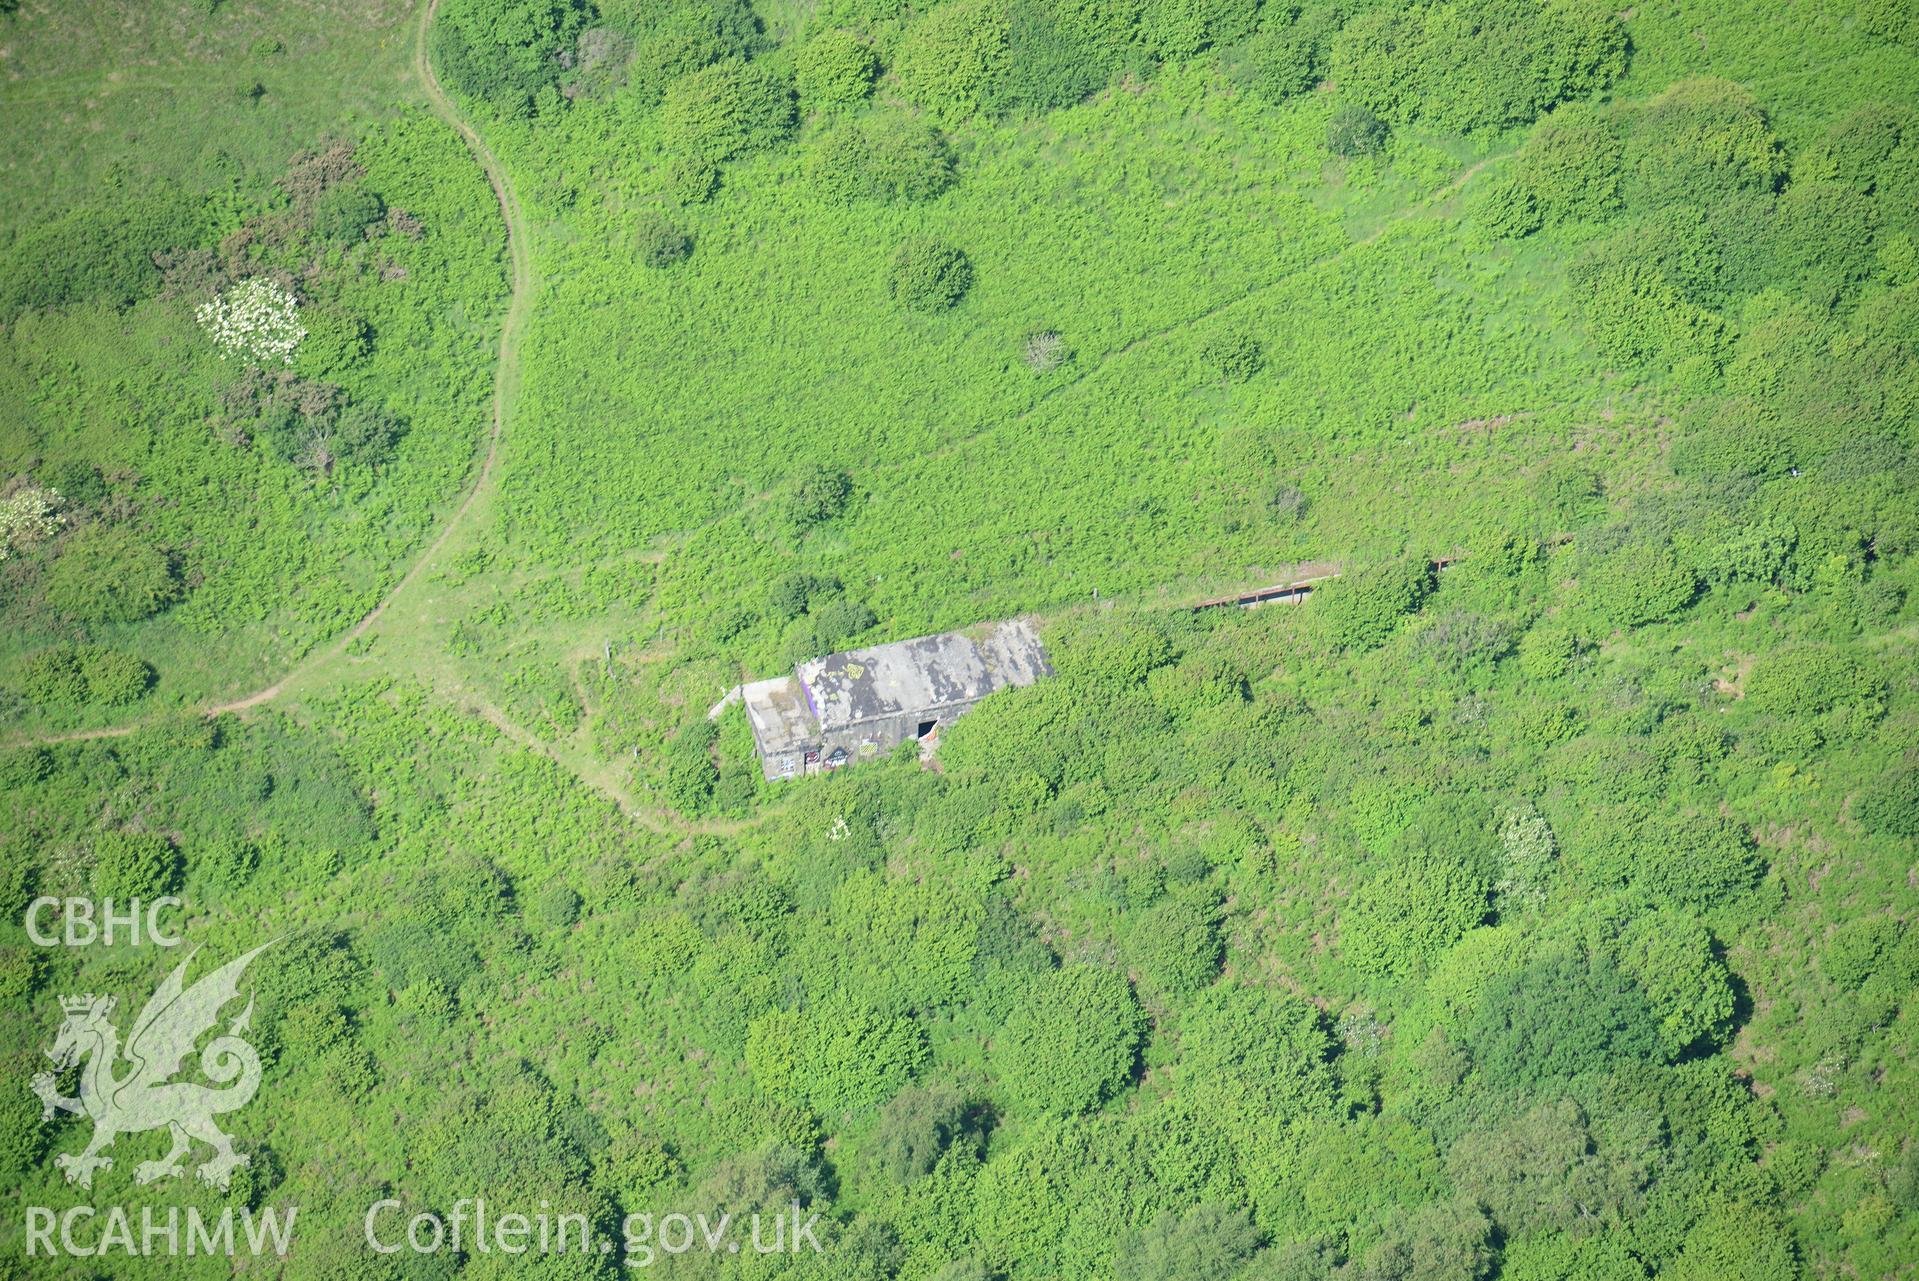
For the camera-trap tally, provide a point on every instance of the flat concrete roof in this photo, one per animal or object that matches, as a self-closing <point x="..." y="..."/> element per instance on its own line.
<point x="921" y="674"/>
<point x="777" y="710"/>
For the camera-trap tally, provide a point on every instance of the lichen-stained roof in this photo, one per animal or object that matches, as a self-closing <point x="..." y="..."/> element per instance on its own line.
<point x="923" y="673"/>
<point x="781" y="720"/>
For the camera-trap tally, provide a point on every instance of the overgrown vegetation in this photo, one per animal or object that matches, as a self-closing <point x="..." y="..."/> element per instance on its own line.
<point x="1545" y="915"/>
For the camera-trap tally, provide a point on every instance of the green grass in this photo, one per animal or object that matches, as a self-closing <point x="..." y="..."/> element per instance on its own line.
<point x="95" y="91"/>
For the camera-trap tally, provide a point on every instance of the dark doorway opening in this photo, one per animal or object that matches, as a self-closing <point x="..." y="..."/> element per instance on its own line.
<point x="926" y="728"/>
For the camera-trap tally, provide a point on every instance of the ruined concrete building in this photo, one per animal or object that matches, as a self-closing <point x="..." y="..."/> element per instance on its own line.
<point x="859" y="704"/>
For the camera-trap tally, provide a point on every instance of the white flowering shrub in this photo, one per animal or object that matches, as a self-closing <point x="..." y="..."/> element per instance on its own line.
<point x="27" y="517"/>
<point x="257" y="319"/>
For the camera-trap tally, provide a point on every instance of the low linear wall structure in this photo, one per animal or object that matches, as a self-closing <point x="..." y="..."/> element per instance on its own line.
<point x="1287" y="593"/>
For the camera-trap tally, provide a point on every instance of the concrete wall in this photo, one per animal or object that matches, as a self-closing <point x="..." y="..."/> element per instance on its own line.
<point x="781" y="765"/>
<point x="862" y="741"/>
<point x="865" y="740"/>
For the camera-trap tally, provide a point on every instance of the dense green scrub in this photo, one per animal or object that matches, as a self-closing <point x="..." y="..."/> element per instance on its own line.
<point x="269" y="499"/>
<point x="1547" y="916"/>
<point x="1494" y="934"/>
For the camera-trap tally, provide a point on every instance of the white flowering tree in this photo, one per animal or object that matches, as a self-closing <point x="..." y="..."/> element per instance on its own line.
<point x="255" y="319"/>
<point x="26" y="517"/>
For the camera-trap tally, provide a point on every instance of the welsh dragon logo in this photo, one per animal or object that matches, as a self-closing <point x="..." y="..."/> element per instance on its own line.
<point x="143" y="1098"/>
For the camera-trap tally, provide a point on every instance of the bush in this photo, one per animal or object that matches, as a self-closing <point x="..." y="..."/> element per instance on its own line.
<point x="1107" y="654"/>
<point x="1235" y="356"/>
<point x="691" y="773"/>
<point x="1283" y="62"/>
<point x="835" y="69"/>
<point x="1739" y="440"/>
<point x="1460" y="640"/>
<point x="1701" y="142"/>
<point x="1802" y="681"/>
<point x="1401" y="920"/>
<point x="1054" y="58"/>
<point x="881" y="158"/>
<point x="24" y="1135"/>
<point x="556" y="907"/>
<point x="344" y="212"/>
<point x="130" y="865"/>
<point x="660" y="242"/>
<point x="1353" y="130"/>
<point x="1671" y="956"/>
<point x="683" y="39"/>
<point x="1890" y="805"/>
<point x="918" y="1126"/>
<point x="836" y="165"/>
<point x="1182" y="28"/>
<point x="1733" y="1242"/>
<point x="366" y="434"/>
<point x="1504" y="209"/>
<point x="411" y="952"/>
<point x="1820" y="240"/>
<point x="1701" y="862"/>
<point x="1642" y="582"/>
<point x="113" y="676"/>
<point x="829" y="627"/>
<point x="1854" y="952"/>
<point x="1207" y="1243"/>
<point x="1480" y="64"/>
<point x="1863" y="149"/>
<point x="928" y="276"/>
<point x="1546" y="652"/>
<point x="96" y="254"/>
<point x="1362" y="607"/>
<point x="724" y="111"/>
<point x="837" y="1056"/>
<point x="506" y="51"/>
<point x="1071" y="1042"/>
<point x="336" y="342"/>
<point x="816" y="495"/>
<point x="795" y="594"/>
<point x="952" y="58"/>
<point x="226" y="863"/>
<point x="77" y="482"/>
<point x="1459" y="977"/>
<point x="55" y="678"/>
<point x="901" y="946"/>
<point x="1570" y="165"/>
<point x="1890" y="21"/>
<point x="1559" y="1016"/>
<point x="692" y="181"/>
<point x="1636" y="316"/>
<point x="110" y="574"/>
<point x="1453" y="1239"/>
<point x="1179" y="941"/>
<point x="19" y="972"/>
<point x="1044" y="351"/>
<point x="1525" y="1171"/>
<point x="1270" y="1040"/>
<point x="1684" y="247"/>
<point x="1530" y="852"/>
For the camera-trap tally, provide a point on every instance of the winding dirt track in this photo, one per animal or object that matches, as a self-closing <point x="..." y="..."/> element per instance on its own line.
<point x="506" y="379"/>
<point x="507" y="376"/>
